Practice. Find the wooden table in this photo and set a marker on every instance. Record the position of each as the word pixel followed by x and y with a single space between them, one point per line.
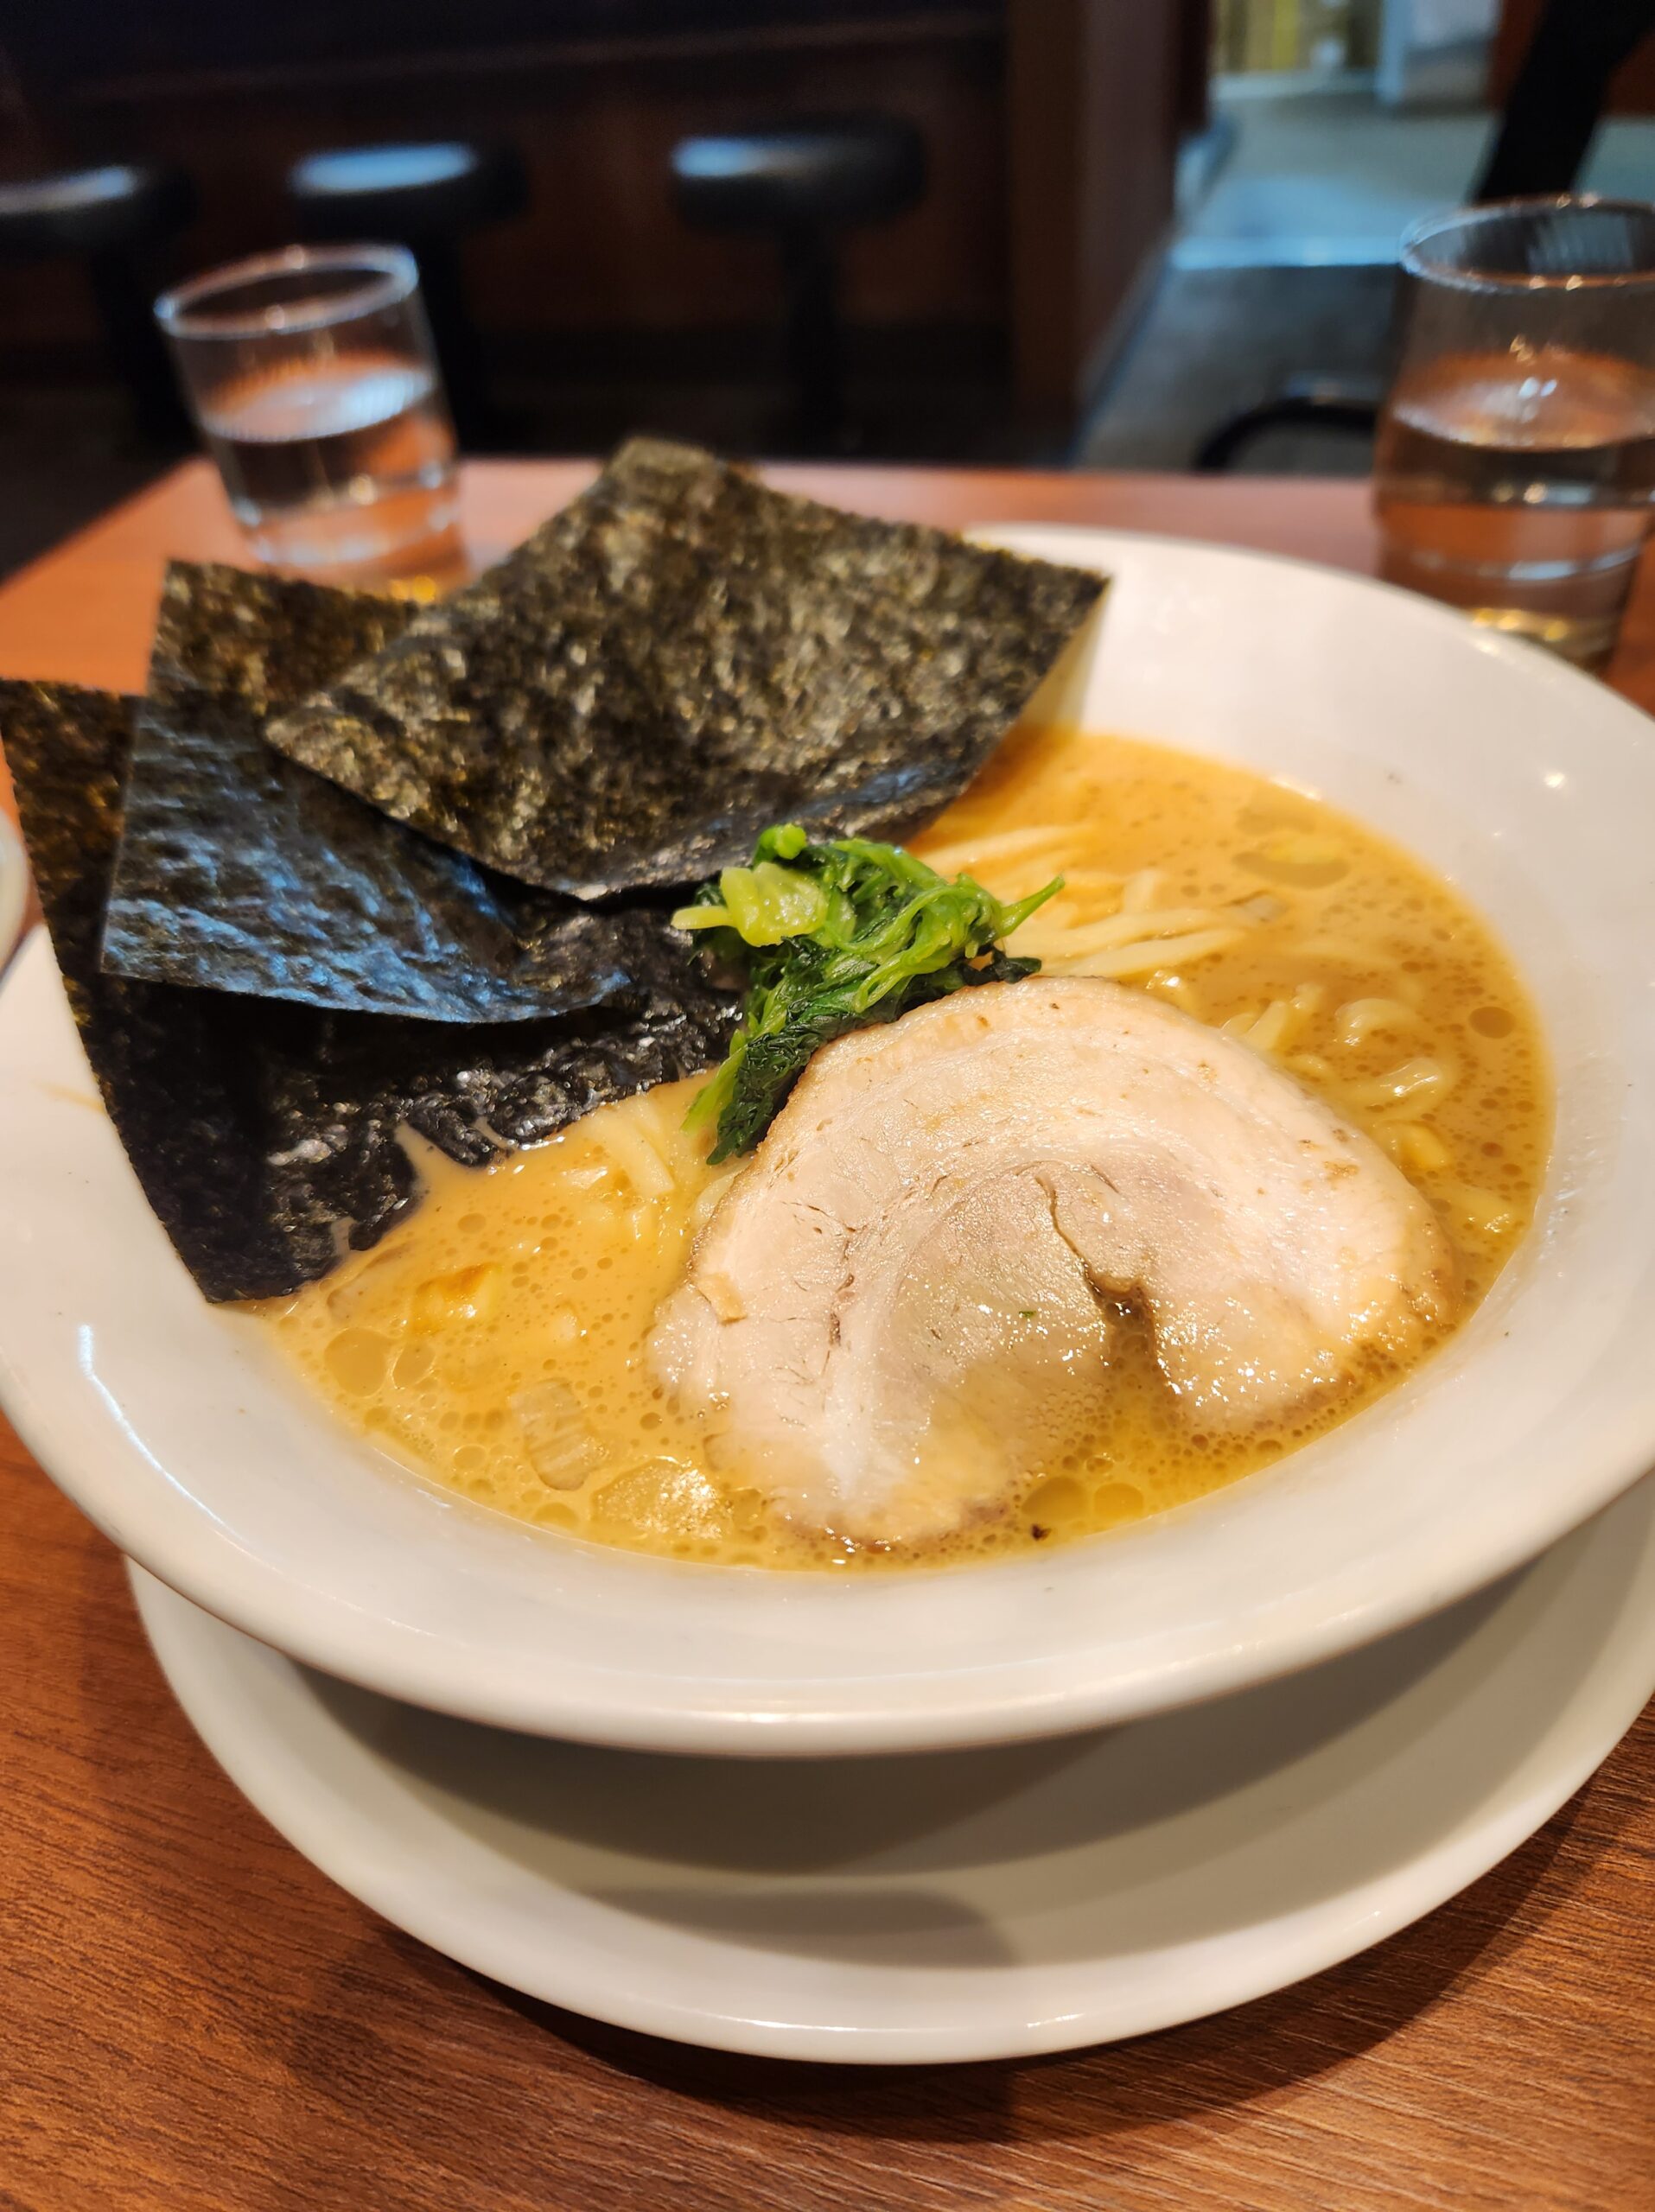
pixel 192 2018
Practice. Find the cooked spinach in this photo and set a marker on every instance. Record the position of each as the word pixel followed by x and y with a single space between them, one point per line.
pixel 832 937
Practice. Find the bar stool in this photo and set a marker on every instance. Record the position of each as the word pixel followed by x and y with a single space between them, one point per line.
pixel 805 182
pixel 110 219
pixel 426 198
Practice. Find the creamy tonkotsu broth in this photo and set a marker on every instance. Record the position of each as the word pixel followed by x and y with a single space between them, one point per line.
pixel 497 1340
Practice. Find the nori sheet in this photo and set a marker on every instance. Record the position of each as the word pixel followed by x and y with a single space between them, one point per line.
pixel 240 871
pixel 679 658
pixel 266 1135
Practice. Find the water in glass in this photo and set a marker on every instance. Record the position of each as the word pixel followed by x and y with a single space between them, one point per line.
pixel 1517 483
pixel 335 463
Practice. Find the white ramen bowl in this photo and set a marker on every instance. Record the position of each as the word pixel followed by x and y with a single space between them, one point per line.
pixel 178 1429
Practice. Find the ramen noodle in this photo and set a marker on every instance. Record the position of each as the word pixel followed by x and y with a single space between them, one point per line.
pixel 496 1340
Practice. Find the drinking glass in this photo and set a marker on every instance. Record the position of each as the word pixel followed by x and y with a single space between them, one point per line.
pixel 311 376
pixel 1515 466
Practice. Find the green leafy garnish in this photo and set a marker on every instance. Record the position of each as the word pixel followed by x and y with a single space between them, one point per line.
pixel 834 936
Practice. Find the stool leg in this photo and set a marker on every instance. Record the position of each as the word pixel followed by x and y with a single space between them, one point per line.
pixel 455 336
pixel 136 348
pixel 815 354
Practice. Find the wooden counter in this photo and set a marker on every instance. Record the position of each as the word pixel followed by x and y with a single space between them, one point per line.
pixel 193 2020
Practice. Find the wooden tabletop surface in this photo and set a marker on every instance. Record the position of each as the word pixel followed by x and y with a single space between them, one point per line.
pixel 192 2018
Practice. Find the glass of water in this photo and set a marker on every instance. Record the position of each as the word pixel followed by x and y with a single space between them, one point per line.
pixel 1515 467
pixel 311 375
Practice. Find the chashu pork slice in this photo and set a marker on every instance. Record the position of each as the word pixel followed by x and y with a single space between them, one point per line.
pixel 911 1287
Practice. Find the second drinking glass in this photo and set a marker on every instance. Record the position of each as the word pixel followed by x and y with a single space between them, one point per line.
pixel 311 375
pixel 1515 466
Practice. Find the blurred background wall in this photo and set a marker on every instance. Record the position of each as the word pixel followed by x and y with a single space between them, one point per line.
pixel 1137 215
pixel 1051 129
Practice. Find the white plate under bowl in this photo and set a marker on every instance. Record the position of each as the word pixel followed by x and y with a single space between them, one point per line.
pixel 13 882
pixel 956 1904
pixel 1531 787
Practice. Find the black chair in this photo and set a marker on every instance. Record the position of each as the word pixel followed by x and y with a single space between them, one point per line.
pixel 803 183
pixel 426 198
pixel 1317 402
pixel 1558 94
pixel 111 220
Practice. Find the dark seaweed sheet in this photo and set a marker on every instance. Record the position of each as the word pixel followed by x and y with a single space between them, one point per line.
pixel 240 871
pixel 266 1135
pixel 679 658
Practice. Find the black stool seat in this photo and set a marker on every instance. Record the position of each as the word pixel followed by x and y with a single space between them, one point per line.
pixel 92 211
pixel 803 181
pixel 405 192
pixel 426 197
pixel 111 219
pixel 854 170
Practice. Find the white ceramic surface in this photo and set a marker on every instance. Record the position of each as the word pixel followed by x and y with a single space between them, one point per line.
pixel 958 1905
pixel 13 883
pixel 1529 786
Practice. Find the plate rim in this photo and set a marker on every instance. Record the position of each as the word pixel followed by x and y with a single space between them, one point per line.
pixel 1390 1901
pixel 14 891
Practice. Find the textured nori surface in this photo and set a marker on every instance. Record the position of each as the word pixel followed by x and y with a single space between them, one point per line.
pixel 266 1135
pixel 240 871
pixel 679 658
